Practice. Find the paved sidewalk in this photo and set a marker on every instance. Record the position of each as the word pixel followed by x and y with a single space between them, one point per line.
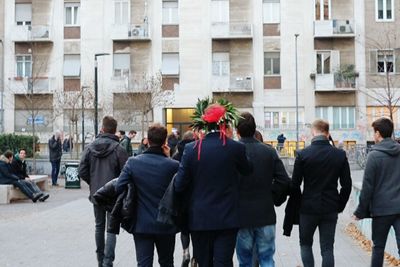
pixel 60 233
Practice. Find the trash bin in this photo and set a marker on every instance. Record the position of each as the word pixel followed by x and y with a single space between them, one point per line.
pixel 72 179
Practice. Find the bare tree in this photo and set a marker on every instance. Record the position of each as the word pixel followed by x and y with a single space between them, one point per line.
pixel 141 96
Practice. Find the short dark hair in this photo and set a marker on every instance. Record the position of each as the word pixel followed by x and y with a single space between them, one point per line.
pixel 321 126
pixel 122 132
pixel 384 126
pixel 246 125
pixel 132 132
pixel 8 154
pixel 258 136
pixel 19 150
pixel 157 134
pixel 109 125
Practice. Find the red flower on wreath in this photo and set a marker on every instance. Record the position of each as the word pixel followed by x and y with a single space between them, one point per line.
pixel 213 113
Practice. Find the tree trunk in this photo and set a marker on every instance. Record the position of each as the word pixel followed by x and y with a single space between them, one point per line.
pixel 33 142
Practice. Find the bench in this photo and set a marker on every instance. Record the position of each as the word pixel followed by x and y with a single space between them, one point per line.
pixel 9 192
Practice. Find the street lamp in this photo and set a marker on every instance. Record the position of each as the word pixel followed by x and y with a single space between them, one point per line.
pixel 83 116
pixel 297 95
pixel 96 125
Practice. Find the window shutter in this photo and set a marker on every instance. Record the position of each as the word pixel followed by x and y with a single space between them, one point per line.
pixel 335 60
pixel 72 65
pixel 23 12
pixel 373 61
pixel 122 61
pixel 170 64
pixel 397 59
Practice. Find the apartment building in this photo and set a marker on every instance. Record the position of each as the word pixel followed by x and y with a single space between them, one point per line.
pixel 1 65
pixel 240 50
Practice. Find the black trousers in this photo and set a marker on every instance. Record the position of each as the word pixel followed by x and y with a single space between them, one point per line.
pixel 214 248
pixel 144 245
pixel 380 230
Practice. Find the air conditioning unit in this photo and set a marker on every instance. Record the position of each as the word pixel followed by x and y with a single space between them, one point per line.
pixel 136 31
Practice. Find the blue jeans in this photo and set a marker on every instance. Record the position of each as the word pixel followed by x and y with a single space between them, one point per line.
pixel 105 249
pixel 55 169
pixel 263 239
pixel 380 230
pixel 327 226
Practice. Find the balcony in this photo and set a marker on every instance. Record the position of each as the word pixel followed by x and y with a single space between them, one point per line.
pixel 334 29
pixel 333 82
pixel 232 84
pixel 226 30
pixel 36 33
pixel 25 85
pixel 130 32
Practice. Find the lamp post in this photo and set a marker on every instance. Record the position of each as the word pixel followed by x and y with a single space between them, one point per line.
pixel 96 112
pixel 83 116
pixel 297 95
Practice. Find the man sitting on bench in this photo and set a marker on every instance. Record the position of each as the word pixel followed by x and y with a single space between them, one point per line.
pixel 18 167
pixel 6 177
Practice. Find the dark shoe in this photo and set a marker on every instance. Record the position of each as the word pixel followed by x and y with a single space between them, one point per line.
pixel 36 196
pixel 55 185
pixel 44 197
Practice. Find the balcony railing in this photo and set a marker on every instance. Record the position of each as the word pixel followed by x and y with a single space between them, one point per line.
pixel 334 82
pixel 127 32
pixel 236 30
pixel 232 84
pixel 35 33
pixel 25 85
pixel 334 28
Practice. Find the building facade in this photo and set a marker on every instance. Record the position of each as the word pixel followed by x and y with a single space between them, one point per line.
pixel 244 51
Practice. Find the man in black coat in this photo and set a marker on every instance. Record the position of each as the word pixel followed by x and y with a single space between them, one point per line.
pixel 151 173
pixel 55 151
pixel 210 170
pixel 380 193
pixel 7 177
pixel 101 162
pixel 321 166
pixel 18 167
pixel 257 213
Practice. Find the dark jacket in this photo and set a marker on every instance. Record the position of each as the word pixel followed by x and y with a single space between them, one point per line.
pixel 321 166
pixel 256 194
pixel 6 176
pixel 122 207
pixel 151 173
pixel 380 193
pixel 102 161
pixel 292 212
pixel 18 167
pixel 213 182
pixel 55 149
pixel 126 144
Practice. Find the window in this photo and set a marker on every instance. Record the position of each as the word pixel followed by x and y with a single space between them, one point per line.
pixel 170 12
pixel 322 9
pixel 72 65
pixel 271 11
pixel 385 61
pixel 121 12
pixel 221 64
pixel 272 63
pixel 323 62
pixel 376 112
pixel 384 10
pixel 285 119
pixel 121 65
pixel 338 117
pixel 23 14
pixel 24 66
pixel 220 11
pixel 72 14
pixel 170 64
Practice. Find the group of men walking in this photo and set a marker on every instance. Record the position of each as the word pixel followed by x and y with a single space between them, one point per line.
pixel 223 192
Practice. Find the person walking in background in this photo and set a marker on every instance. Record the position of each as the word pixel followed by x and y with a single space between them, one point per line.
pixel 173 140
pixel 257 213
pixel 380 192
pixel 151 173
pixel 144 145
pixel 209 173
pixel 68 144
pixel 7 177
pixel 281 141
pixel 187 138
pixel 55 150
pixel 320 166
pixel 101 162
pixel 18 167
pixel 125 142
